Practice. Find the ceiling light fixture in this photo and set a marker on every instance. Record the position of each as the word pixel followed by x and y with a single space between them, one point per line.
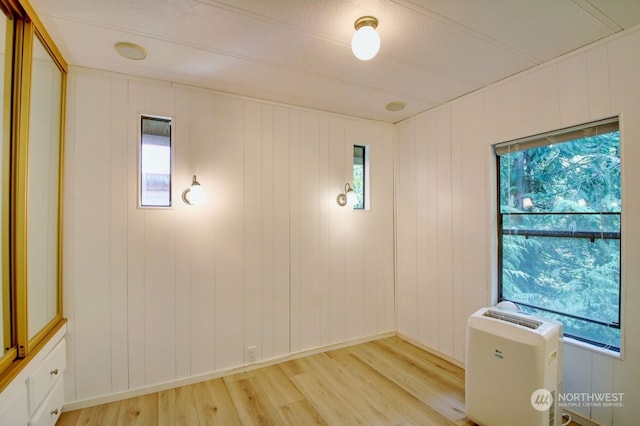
pixel 130 50
pixel 395 106
pixel 366 41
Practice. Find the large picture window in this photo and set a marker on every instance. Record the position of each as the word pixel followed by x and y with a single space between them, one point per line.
pixel 560 229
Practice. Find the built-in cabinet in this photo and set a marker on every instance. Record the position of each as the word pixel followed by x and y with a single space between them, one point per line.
pixel 36 395
pixel 32 85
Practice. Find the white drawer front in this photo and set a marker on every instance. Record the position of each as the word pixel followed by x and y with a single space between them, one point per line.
pixel 47 375
pixel 14 409
pixel 49 411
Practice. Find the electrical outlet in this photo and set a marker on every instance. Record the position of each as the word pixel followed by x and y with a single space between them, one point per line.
pixel 251 354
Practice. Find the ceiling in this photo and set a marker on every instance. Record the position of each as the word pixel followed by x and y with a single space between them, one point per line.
pixel 298 51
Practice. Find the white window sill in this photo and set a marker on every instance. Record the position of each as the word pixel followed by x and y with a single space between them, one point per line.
pixel 592 348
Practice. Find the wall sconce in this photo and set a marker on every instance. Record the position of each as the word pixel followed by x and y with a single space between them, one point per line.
pixel 348 197
pixel 194 195
pixel 366 41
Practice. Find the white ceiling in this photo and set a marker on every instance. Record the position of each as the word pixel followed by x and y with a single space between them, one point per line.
pixel 298 51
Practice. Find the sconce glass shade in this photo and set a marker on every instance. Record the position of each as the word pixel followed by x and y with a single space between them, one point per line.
pixel 365 43
pixel 194 195
pixel 348 197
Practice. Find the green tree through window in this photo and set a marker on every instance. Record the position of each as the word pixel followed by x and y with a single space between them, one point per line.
pixel 559 229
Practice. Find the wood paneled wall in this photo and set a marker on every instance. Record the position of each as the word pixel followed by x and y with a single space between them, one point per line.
pixel 155 296
pixel 445 201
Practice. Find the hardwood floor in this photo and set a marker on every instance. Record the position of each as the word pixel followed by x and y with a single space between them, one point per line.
pixel 385 382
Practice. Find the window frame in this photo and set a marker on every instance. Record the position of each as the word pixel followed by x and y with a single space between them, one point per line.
pixel 366 192
pixel 566 134
pixel 170 120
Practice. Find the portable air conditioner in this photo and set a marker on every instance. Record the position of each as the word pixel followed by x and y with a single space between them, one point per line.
pixel 513 369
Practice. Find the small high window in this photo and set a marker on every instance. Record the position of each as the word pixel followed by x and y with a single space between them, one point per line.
pixel 155 162
pixel 361 176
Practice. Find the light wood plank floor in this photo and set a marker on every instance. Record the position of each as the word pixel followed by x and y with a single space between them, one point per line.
pixel 385 382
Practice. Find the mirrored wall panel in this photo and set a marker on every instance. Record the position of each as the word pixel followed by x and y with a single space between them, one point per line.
pixel 6 47
pixel 43 189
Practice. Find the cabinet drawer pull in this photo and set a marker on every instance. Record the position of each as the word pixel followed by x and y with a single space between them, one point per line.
pixel 54 412
pixel 54 372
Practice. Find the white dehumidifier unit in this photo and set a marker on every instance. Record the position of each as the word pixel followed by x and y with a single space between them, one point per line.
pixel 513 369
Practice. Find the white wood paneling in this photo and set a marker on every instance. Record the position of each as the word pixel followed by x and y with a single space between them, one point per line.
pixel 406 257
pixel 424 305
pixel 183 168
pixel 135 240
pixel 159 296
pixel 163 295
pixel 471 206
pixel 337 229
pixel 159 264
pixel 68 236
pixel 202 344
pixel 280 305
pixel 278 264
pixel 268 240
pixel 324 206
pixel 540 100
pixel 444 230
pixel 357 282
pixel 505 101
pixel 91 266
pixel 602 382
pixel 305 321
pixel 229 233
pixel 295 227
pixel 253 226
pixel 429 305
pixel 573 92
pixel 381 271
pixel 624 63
pixel 118 235
pixel 596 82
pixel 576 366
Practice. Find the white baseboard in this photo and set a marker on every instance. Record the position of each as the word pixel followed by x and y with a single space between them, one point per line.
pixel 131 393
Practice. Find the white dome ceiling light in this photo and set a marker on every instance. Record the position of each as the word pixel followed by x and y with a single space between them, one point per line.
pixel 365 43
pixel 130 50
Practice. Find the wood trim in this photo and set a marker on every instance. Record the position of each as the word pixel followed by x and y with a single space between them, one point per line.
pixel 19 364
pixel 44 35
pixel 20 159
pixel 11 8
pixel 41 335
pixel 63 120
pixel 24 27
pixel 5 183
